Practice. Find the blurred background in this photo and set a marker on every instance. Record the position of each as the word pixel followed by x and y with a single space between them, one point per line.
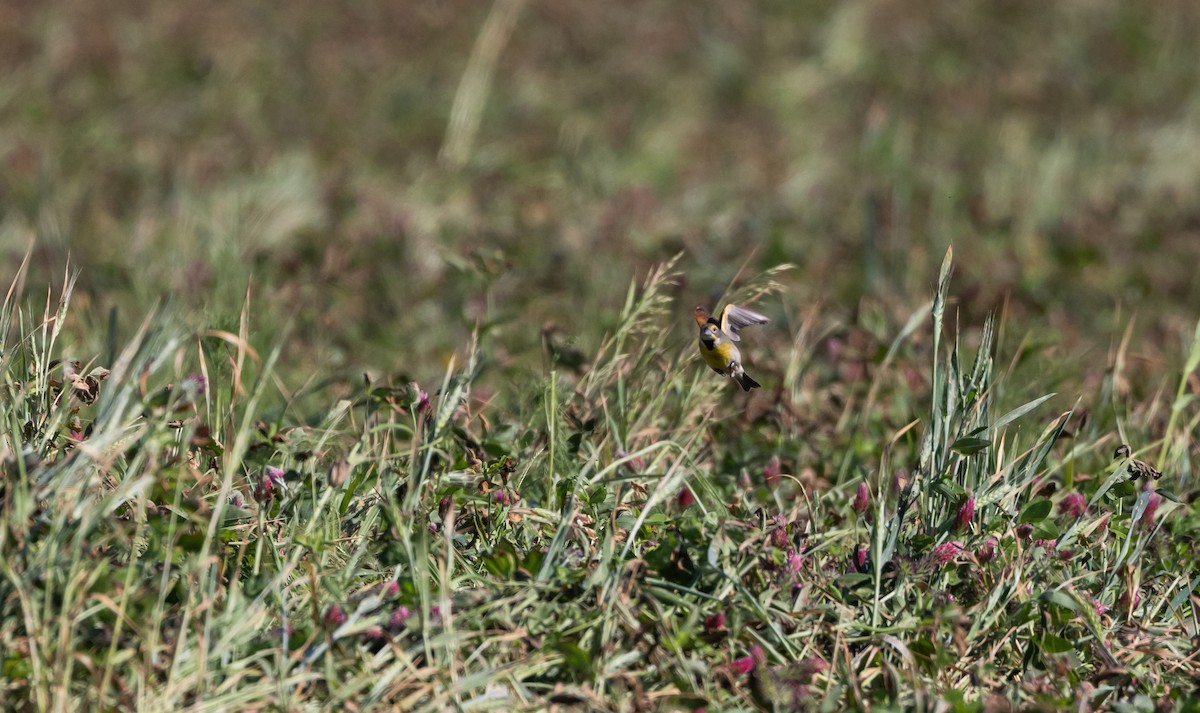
pixel 386 175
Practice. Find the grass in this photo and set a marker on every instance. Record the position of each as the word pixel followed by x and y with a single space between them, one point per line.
pixel 173 542
pixel 431 267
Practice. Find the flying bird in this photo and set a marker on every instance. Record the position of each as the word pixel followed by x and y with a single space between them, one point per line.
pixel 717 337
pixel 1134 467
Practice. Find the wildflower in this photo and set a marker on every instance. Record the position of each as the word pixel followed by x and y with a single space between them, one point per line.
pixel 433 528
pixel 334 616
pixel 833 348
pixel 272 480
pixel 1073 505
pixel 772 471
pixel 500 497
pixel 374 633
pixel 743 665
pixel 685 497
pixel 1024 531
pixel 966 511
pixel 746 664
pixel 760 657
pixel 778 536
pixel 714 622
pixel 1126 601
pixel 860 558
pixel 811 666
pixel 987 553
pixel 1046 544
pixel 899 480
pixel 420 396
pixel 1152 504
pixel 795 562
pixel 862 498
pixel 195 383
pixel 945 553
pixel 1099 606
pixel 398 617
pixel 637 465
pixel 391 590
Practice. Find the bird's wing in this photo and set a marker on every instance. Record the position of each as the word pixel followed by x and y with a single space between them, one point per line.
pixel 734 318
pixel 1137 469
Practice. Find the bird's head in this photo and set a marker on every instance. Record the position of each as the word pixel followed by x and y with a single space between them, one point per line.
pixel 709 334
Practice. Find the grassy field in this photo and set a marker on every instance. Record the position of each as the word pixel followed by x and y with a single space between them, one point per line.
pixel 349 363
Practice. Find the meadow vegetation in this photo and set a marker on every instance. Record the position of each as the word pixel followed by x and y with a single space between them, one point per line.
pixel 348 358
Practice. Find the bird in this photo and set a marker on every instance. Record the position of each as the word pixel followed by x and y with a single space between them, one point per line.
pixel 1128 469
pixel 717 337
pixel 1134 467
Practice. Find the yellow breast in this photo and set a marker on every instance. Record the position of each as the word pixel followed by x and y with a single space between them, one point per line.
pixel 720 355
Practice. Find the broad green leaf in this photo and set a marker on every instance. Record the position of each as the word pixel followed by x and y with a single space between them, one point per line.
pixel 1059 598
pixel 1052 644
pixel 853 579
pixel 1036 511
pixel 970 446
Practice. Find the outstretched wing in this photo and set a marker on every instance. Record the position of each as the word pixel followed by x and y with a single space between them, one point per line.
pixel 734 318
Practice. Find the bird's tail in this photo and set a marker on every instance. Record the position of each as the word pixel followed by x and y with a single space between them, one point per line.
pixel 746 382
